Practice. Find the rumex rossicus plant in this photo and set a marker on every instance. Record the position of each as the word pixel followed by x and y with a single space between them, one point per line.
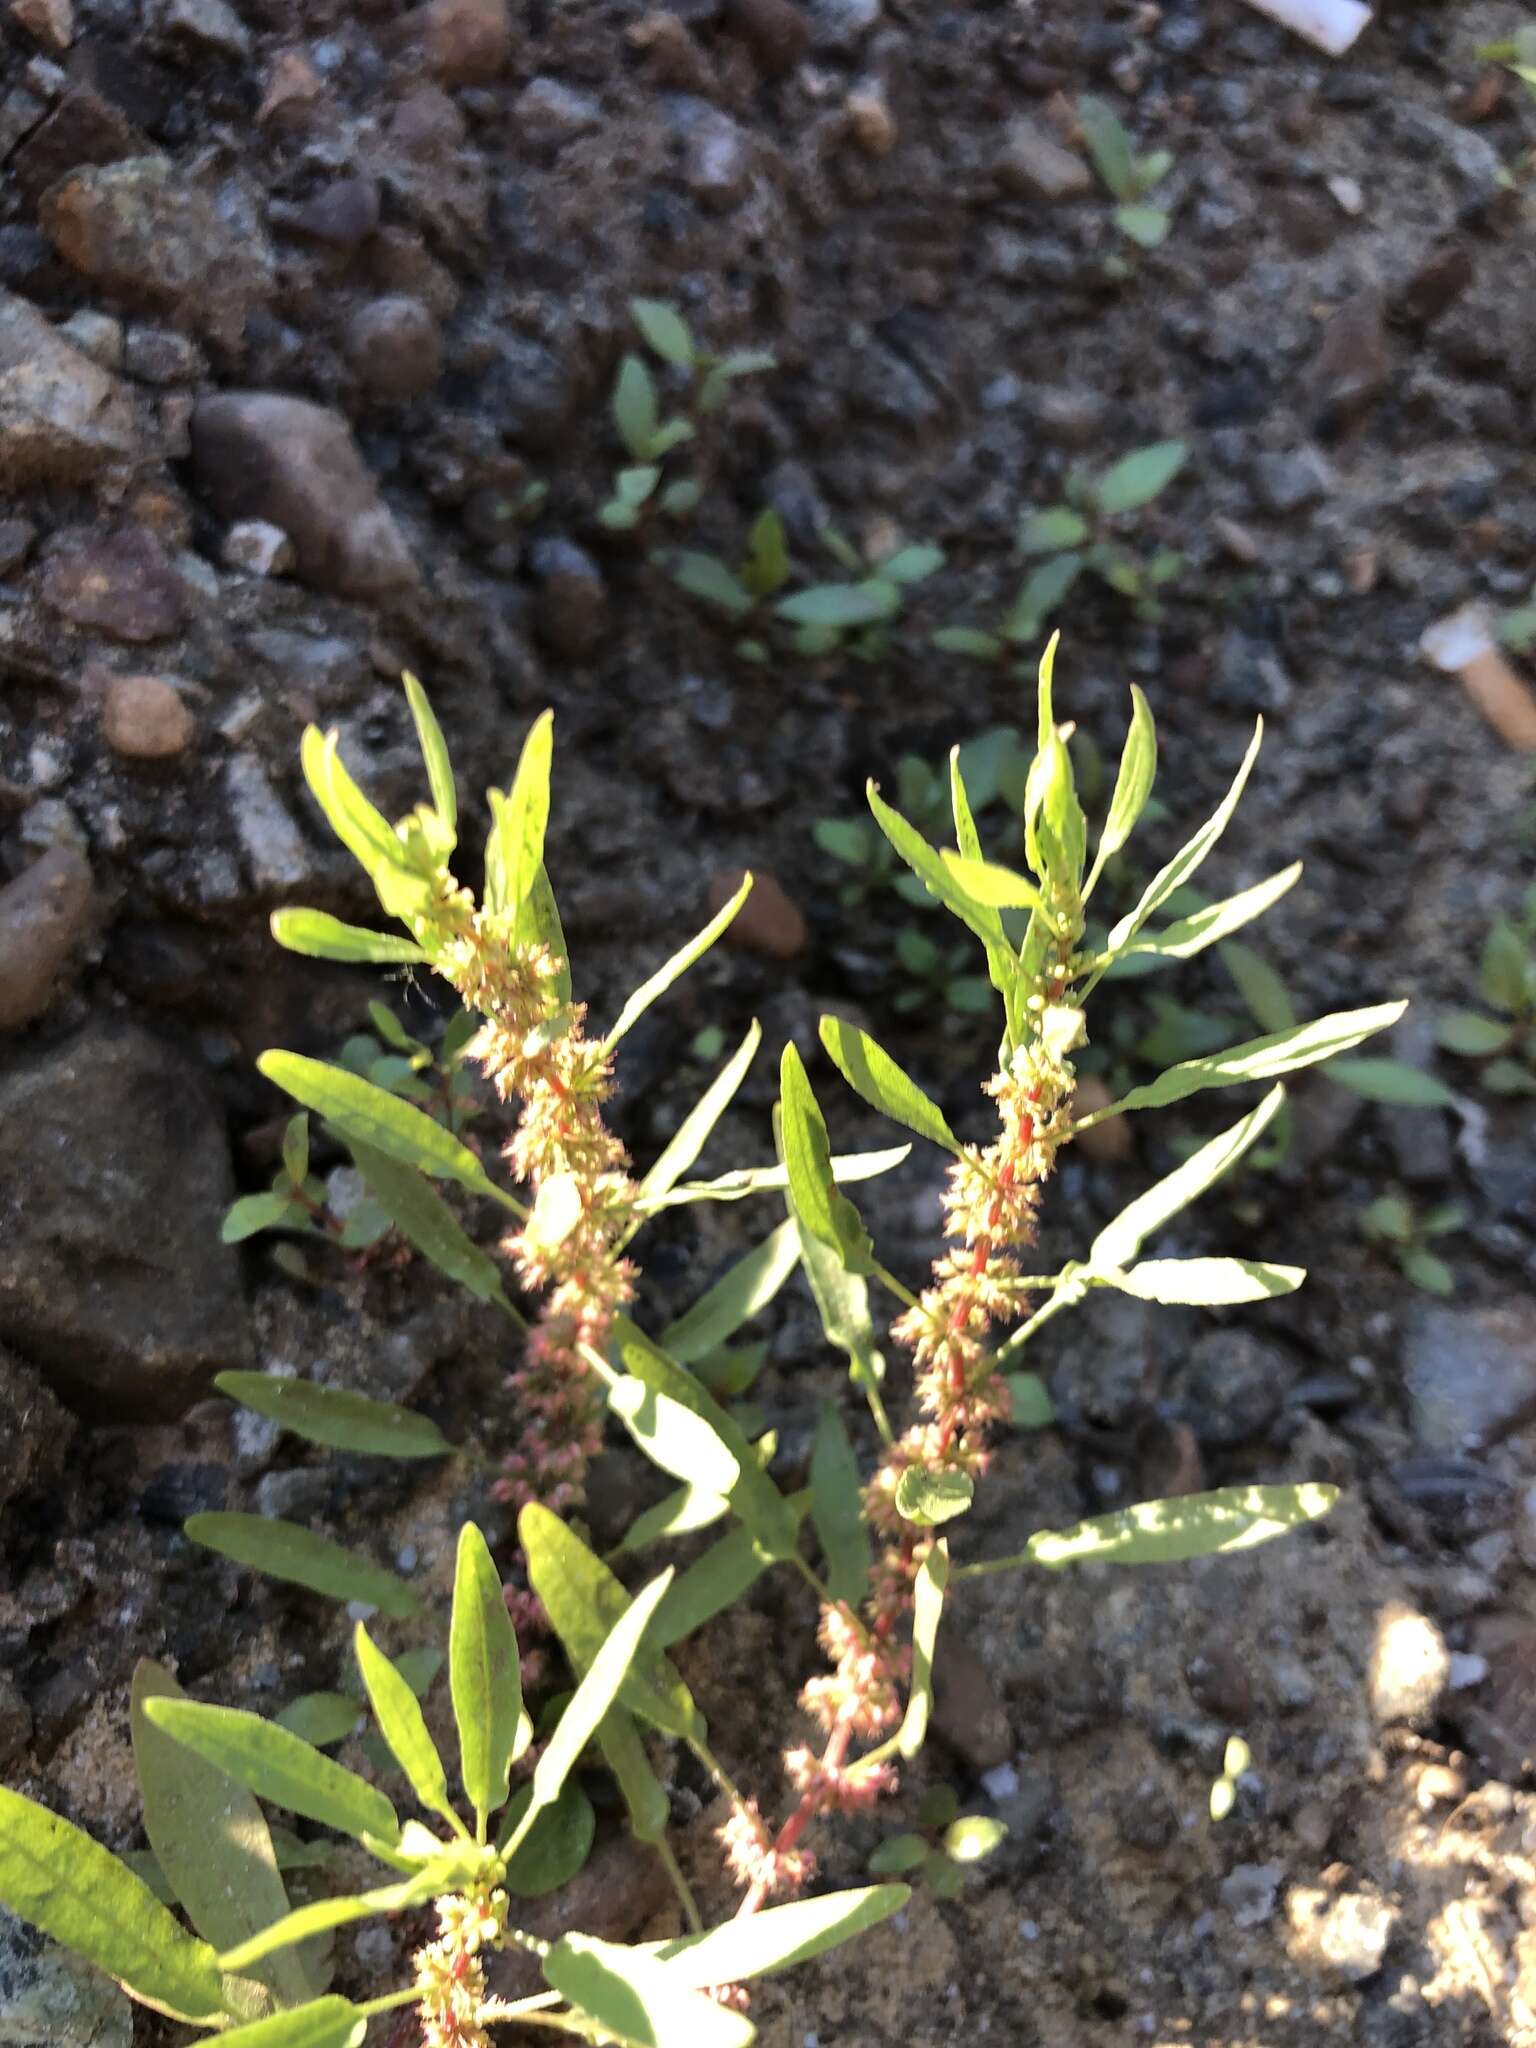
pixel 1506 981
pixel 648 437
pixel 883 1566
pixel 253 1971
pixel 1130 178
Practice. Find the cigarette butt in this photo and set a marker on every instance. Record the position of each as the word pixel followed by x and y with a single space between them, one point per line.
pixel 1462 645
pixel 1330 25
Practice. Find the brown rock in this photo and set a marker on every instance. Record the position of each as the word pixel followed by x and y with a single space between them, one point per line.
pixel 145 718
pixel 52 22
pixel 16 538
pixel 967 1712
pixel 1353 366
pixel 121 584
pixel 36 1431
pixel 872 123
pixel 395 349
pixel 1036 166
pixel 84 128
pixel 768 922
pixel 292 86
pixel 62 417
pixel 467 42
pixel 1111 1141
pixel 1308 222
pixel 141 228
pixel 778 31
pixel 1436 285
pixel 261 455
pixel 43 916
pixel 342 214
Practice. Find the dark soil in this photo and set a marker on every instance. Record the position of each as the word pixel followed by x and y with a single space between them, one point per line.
pixel 430 226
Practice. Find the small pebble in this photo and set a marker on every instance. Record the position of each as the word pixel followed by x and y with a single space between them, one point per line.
pixel 258 547
pixel 768 922
pixel 872 123
pixel 145 719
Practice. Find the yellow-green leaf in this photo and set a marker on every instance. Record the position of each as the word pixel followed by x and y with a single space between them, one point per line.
pixel 402 1725
pixel 484 1676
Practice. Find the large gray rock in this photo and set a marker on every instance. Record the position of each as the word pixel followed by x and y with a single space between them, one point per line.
pixel 43 916
pixel 146 232
pixel 52 1999
pixel 1469 1372
pixel 261 455
pixel 114 1176
pixel 62 417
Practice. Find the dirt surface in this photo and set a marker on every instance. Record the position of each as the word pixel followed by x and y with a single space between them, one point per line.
pixel 295 305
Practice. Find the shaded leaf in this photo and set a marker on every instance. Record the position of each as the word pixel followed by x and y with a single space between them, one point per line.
pixel 740 1294
pixel 665 331
pixel 329 2022
pixel 841 604
pixel 837 1509
pixel 320 1718
pixel 286 1551
pixel 1030 1399
pixel 1108 144
pixel 324 1914
pixel 634 408
pixel 1140 477
pixel 251 1213
pixel 484 1676
pixel 1391 1081
pixel 678 965
pixel 1472 1035
pixel 692 1134
pixel 326 1415
pixel 1260 987
pixel 556 1846
pixel 1045 533
pixel 402 1725
pixel 927 1605
pixel 898 1853
pixel 870 1072
pixel 707 577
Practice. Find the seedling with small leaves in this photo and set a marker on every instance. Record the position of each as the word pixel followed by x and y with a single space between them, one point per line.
pixel 649 435
pixel 1506 980
pixel 938 978
pixel 944 1846
pixel 1393 1222
pixel 1235 1761
pixel 742 593
pixel 856 615
pixel 1131 178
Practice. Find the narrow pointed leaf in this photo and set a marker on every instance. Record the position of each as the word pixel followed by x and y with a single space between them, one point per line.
pixel 58 1879
pixel 645 1797
pixel 1195 1525
pixel 1133 785
pixel 1207 1283
pixel 324 1914
pixel 927 1605
pixel 320 936
pixel 1136 479
pixel 329 2022
pixel 634 408
pixel 1392 1081
pixel 842 1302
pixel 1119 1242
pixel 1216 921
pixel 779 1937
pixel 328 1415
pixel 734 1299
pixel 759 1180
pixel 826 1213
pixel 277 1765
pixel 556 1846
pixel 593 1697
pixel 426 1222
pixel 665 331
pixel 752 1494
pixel 402 1724
pixel 837 1509
pixel 989 884
pixel 585 1603
pixel 251 1213
pixel 1471 1035
pixel 1189 856
pixel 692 1134
pixel 484 1675
pixel 677 966
pixel 632 1997
pixel 710 1585
pixel 434 752
pixel 373 1116
pixel 1108 144
pixel 674 1438
pixel 522 819
pixel 362 829
pixel 538 924
pixel 285 1551
pixel 870 1072
pixel 1268 999
pixel 841 605
pixel 706 577
pixel 929 867
pixel 1261 1059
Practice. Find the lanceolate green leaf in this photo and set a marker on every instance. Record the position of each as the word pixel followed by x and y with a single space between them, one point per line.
pixel 587 1706
pixel 425 1220
pixel 633 1999
pixel 1136 479
pixel 434 753
pixel 1207 1283
pixel 1393 1081
pixel 325 1914
pixel 323 937
pixel 361 1111
pixel 585 1602
pixel 328 1415
pixel 285 1551
pixel 842 1302
pixel 677 966
pixel 1133 785
pixel 54 1876
pixel 538 924
pixel 692 1134
pixel 760 1180
pixel 665 331
pixel 930 869
pixel 715 1581
pixel 1268 1000
pixel 644 1795
pixel 403 1725
pixel 1217 921
pixel 1261 1059
pixel 329 2022
pixel 521 820
pixel 674 1437
pixel 837 1509
pixel 752 1494
pixel 743 1292
pixel 362 829
pixel 484 1676
pixel 778 1938
pixel 927 1605
pixel 277 1765
pixel 1119 1242
pixel 826 1213
pixel 1195 1525
pixel 1189 856
pixel 987 883
pixel 870 1071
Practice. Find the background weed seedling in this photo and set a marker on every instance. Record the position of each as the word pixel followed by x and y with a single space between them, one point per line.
pixel 1506 981
pixel 944 1845
pixel 1131 178
pixel 1393 1221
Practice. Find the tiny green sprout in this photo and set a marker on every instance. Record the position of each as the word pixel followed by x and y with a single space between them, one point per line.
pixel 1517 628
pixel 1517 54
pixel 1130 178
pixel 942 1846
pixel 856 615
pixel 938 976
pixel 1236 1759
pixel 1506 981
pixel 741 593
pixel 1392 1221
